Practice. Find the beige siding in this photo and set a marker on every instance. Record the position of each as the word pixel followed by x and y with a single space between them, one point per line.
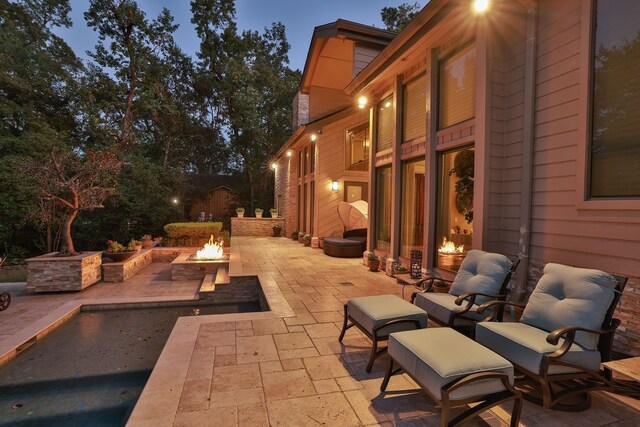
pixel 323 101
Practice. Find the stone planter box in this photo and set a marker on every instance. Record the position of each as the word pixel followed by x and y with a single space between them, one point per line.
pixel 121 271
pixel 254 226
pixel 48 273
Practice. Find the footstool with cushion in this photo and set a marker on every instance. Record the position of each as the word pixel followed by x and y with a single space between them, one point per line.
pixel 342 248
pixel 453 370
pixel 379 315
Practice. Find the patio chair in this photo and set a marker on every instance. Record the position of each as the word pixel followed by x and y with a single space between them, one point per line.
pixel 565 332
pixel 483 276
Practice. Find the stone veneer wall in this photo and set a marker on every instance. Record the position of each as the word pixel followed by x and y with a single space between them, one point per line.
pixel 255 226
pixel 627 337
pixel 241 289
pixel 117 272
pixel 48 273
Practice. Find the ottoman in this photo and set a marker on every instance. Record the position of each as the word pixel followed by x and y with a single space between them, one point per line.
pixel 454 370
pixel 342 248
pixel 378 316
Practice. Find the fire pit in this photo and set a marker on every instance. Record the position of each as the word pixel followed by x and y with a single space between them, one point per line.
pixel 206 260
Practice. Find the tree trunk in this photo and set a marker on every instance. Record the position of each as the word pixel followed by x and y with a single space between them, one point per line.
pixel 68 249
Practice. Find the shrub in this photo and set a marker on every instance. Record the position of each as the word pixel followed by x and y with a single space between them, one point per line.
pixel 194 233
pixel 373 257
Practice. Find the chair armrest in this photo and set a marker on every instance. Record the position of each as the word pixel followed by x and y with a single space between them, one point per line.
pixel 570 332
pixel 471 296
pixel 430 281
pixel 490 304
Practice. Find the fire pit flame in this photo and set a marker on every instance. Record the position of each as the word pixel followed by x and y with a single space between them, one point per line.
pixel 448 247
pixel 211 250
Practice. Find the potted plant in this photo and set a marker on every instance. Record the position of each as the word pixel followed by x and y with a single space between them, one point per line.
pixel 118 252
pixel 240 212
pixel 294 235
pixel 301 236
pixel 306 240
pixel 136 244
pixel 258 212
pixel 373 262
pixel 147 241
pixel 273 212
pixel 276 230
pixel 400 269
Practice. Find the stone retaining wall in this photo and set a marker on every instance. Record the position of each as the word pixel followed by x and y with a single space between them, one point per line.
pixel 241 289
pixel 48 273
pixel 117 272
pixel 255 226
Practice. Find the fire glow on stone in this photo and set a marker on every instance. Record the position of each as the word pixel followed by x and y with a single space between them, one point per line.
pixel 448 247
pixel 211 250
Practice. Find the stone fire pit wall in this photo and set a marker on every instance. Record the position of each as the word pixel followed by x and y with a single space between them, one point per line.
pixel 255 226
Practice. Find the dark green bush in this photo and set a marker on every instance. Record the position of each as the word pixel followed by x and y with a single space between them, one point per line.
pixel 194 233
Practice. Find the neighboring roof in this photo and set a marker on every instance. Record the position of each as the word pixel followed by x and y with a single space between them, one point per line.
pixel 344 29
pixel 211 181
pixel 418 26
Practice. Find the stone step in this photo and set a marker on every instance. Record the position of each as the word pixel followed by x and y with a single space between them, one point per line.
pixel 222 276
pixel 208 284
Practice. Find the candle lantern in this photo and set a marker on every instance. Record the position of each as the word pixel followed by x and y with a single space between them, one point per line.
pixel 416 264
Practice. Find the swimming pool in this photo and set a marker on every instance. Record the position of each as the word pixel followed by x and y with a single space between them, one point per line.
pixel 92 369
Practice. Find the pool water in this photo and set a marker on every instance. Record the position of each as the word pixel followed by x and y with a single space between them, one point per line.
pixel 91 370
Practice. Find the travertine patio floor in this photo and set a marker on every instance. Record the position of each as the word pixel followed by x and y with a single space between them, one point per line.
pixel 285 368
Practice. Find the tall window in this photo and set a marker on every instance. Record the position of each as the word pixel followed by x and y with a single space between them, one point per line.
pixel 384 134
pixel 457 97
pixel 358 148
pixel 312 155
pixel 383 208
pixel 414 113
pixel 412 214
pixel 615 133
pixel 454 227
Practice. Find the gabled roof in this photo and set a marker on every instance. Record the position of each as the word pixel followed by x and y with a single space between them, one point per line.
pixel 344 29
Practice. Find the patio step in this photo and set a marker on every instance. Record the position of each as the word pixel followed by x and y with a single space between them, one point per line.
pixel 208 284
pixel 222 276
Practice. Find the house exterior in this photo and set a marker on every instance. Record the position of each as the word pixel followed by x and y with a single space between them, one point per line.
pixel 331 141
pixel 515 130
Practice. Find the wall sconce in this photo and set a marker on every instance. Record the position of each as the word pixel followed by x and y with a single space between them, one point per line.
pixel 481 6
pixel 274 166
pixel 362 102
pixel 314 137
pixel 289 153
pixel 335 185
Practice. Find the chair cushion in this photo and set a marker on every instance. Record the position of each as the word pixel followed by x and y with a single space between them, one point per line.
pixel 339 241
pixel 436 357
pixel 569 296
pixel 482 272
pixel 442 307
pixel 369 312
pixel 525 345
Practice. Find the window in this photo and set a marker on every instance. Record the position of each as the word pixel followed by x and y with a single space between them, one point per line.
pixel 312 206
pixel 457 97
pixel 412 215
pixel 384 134
pixel 414 113
pixel 454 227
pixel 300 164
pixel 312 154
pixel 615 148
pixel 358 148
pixel 354 191
pixel 383 208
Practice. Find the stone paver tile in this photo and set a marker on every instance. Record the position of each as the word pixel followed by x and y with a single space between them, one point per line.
pixel 236 377
pixel 225 360
pixel 301 319
pixel 325 409
pixel 348 383
pixel 361 404
pixel 218 326
pixel 326 386
pixel 268 327
pixel 331 345
pixel 256 349
pixel 296 304
pixel 323 330
pixel 208 338
pixel 292 364
pixel 266 367
pixel 225 350
pixel 253 415
pixel 244 332
pixel 243 324
pixel 324 367
pixel 195 395
pixel 201 364
pixel 220 399
pixel 302 352
pixel 287 385
pixel 329 316
pixel 292 341
pixel 223 416
pixel 295 328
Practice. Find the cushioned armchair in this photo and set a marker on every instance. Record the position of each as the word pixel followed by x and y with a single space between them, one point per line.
pixel 565 332
pixel 483 276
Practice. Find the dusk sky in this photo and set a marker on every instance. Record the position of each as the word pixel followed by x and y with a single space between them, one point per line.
pixel 298 16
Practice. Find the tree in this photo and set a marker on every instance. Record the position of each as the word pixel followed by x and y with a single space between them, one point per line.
pixel 74 182
pixel 396 18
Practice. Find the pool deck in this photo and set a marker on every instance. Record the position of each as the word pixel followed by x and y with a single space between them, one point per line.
pixel 278 368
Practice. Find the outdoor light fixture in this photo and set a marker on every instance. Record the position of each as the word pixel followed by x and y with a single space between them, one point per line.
pixel 335 185
pixel 314 136
pixel 481 6
pixel 362 102
pixel 289 153
pixel 175 201
pixel 274 166
pixel 387 104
